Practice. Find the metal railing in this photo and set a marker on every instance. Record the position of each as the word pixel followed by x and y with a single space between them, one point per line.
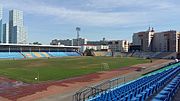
pixel 87 92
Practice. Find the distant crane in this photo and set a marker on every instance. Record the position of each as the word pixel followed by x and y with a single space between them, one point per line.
pixel 78 29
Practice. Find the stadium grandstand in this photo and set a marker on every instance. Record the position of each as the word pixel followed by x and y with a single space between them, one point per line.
pixel 160 85
pixel 23 51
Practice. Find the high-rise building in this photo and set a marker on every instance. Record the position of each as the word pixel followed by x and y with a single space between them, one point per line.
pixel 166 41
pixel 5 33
pixel 1 29
pixel 17 33
pixel 144 39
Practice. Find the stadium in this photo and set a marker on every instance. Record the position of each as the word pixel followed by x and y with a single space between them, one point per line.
pixel 22 51
pixel 115 68
pixel 31 72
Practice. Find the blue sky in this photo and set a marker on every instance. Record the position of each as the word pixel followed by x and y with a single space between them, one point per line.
pixel 113 19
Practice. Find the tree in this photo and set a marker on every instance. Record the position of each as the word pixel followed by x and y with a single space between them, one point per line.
pixel 36 43
pixel 89 52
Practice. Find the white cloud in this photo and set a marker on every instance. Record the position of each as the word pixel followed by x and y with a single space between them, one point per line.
pixel 93 18
pixel 151 4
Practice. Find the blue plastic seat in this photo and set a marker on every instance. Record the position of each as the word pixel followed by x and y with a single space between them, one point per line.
pixel 11 55
pixel 142 88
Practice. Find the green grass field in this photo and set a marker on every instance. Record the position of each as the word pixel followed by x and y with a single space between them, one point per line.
pixel 60 68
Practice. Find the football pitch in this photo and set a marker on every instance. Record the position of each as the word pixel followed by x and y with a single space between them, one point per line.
pixel 52 69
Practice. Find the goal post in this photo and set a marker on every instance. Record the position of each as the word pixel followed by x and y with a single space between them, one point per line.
pixel 104 66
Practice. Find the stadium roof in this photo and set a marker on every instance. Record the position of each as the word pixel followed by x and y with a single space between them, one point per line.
pixel 32 45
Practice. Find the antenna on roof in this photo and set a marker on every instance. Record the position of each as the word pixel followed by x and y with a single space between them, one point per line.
pixel 152 29
pixel 149 28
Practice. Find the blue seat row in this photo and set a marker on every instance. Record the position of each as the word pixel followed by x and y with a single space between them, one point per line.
pixel 21 55
pixel 168 92
pixel 72 53
pixel 156 86
pixel 63 54
pixel 140 89
pixel 11 55
pixel 58 54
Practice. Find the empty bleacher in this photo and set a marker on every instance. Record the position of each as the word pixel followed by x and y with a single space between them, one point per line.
pixel 23 51
pixel 159 55
pixel 35 54
pixel 165 55
pixel 102 53
pixel 63 54
pixel 58 54
pixel 48 54
pixel 72 53
pixel 157 86
pixel 38 54
pixel 22 55
pixel 11 55
pixel 45 54
pixel 29 54
pixel 169 90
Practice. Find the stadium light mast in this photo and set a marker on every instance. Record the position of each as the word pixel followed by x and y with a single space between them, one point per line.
pixel 78 29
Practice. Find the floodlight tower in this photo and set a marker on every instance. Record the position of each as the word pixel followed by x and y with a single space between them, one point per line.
pixel 78 29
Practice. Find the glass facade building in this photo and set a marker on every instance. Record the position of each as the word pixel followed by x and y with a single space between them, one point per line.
pixel 17 33
pixel 1 26
pixel 5 33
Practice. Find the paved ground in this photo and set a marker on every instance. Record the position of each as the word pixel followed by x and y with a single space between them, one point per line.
pixel 64 89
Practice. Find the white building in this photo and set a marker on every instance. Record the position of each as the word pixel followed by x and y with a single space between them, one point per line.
pixel 69 42
pixel 17 33
pixel 84 47
pixel 5 33
pixel 80 41
pixel 102 47
pixel 94 47
pixel 119 45
pixel 66 42
pixel 1 26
